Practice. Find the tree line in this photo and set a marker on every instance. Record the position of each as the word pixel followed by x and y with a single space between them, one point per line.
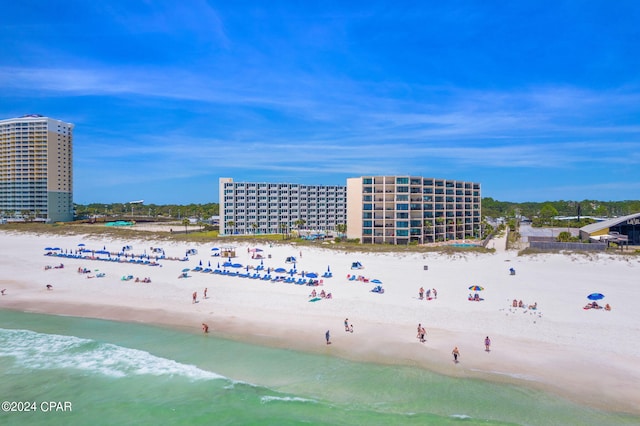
pixel 174 211
pixel 490 208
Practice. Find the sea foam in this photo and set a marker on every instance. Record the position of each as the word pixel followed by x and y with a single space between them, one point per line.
pixel 38 351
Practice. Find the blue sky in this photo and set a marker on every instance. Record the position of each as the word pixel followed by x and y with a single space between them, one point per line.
pixel 535 100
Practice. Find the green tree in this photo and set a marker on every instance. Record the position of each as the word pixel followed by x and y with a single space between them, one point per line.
pixel 231 224
pixel 341 228
pixel 547 212
pixel 185 222
pixel 564 237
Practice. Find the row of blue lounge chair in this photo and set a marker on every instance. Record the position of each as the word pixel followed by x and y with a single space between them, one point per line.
pixel 266 277
pixel 107 259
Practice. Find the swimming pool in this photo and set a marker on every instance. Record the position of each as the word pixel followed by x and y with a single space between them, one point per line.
pixel 119 223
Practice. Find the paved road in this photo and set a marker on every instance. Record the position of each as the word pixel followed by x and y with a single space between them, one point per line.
pixel 526 231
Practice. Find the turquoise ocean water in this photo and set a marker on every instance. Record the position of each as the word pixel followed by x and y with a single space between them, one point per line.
pixel 119 373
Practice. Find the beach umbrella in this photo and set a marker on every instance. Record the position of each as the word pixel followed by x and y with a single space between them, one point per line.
pixel 280 270
pixel 81 245
pixel 48 248
pixel 376 281
pixel 595 296
pixel 312 275
pixel 476 288
pixel 186 270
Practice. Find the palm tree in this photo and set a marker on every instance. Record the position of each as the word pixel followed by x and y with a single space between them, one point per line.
pixel 185 222
pixel 231 224
pixel 283 228
pixel 255 228
pixel 428 229
pixel 299 223
pixel 342 229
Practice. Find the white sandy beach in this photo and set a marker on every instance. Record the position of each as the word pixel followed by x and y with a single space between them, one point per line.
pixel 589 356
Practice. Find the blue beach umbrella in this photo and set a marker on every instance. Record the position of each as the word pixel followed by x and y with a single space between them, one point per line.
pixel 595 296
pixel 312 275
pixel 186 270
pixel 376 281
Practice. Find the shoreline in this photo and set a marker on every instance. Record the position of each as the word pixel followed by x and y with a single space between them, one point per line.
pixel 596 374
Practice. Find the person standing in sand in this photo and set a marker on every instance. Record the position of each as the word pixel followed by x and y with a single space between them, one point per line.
pixel 194 297
pixel 346 324
pixel 205 328
pixel 205 292
pixel 327 336
pixel 456 354
pixel 487 344
pixel 421 293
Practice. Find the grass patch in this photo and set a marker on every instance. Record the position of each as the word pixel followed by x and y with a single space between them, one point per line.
pixel 212 237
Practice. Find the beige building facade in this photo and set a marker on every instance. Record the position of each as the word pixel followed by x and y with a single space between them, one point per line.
pixel 36 168
pixel 412 209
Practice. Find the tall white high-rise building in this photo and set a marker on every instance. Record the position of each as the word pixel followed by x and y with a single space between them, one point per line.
pixel 272 208
pixel 36 168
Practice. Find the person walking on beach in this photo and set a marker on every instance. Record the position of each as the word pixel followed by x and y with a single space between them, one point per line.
pixel 435 293
pixel 205 328
pixel 456 354
pixel 346 324
pixel 423 332
pixel 205 292
pixel 487 344
pixel 194 297
pixel 421 293
pixel 328 337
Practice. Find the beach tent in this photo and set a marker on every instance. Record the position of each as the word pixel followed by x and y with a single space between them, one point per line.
pixel 357 265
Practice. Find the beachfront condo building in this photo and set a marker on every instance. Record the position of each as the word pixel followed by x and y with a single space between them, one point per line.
pixel 248 208
pixel 412 209
pixel 36 169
